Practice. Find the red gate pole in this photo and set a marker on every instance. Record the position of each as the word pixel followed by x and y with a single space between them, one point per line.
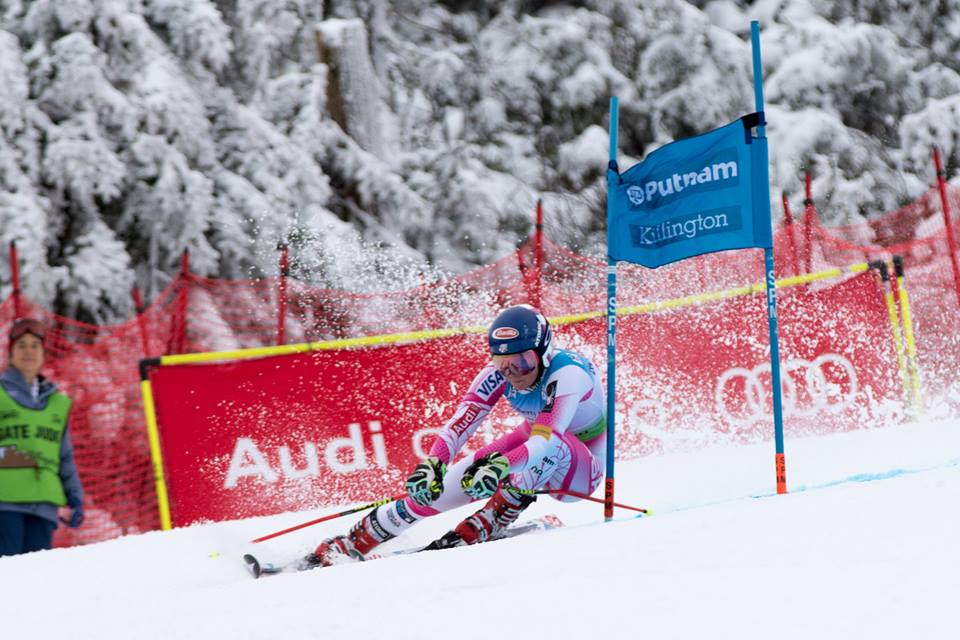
pixel 141 322
pixel 951 243
pixel 282 292
pixel 538 258
pixel 15 278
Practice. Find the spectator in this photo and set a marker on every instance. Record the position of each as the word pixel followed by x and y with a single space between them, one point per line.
pixel 37 471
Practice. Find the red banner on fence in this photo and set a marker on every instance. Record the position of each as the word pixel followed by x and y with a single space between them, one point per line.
pixel 281 433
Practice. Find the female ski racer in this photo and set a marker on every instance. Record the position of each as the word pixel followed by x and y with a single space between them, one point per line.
pixel 561 444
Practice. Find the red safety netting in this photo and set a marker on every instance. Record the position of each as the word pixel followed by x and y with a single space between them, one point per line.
pixel 917 233
pixel 98 365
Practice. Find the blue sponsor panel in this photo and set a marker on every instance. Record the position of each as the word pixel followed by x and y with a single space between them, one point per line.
pixel 682 179
pixel 690 197
pixel 687 226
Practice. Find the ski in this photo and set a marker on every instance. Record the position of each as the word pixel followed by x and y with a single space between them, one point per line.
pixel 256 567
pixel 543 523
pixel 259 568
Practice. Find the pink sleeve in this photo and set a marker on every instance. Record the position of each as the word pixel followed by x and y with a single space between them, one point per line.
pixel 484 391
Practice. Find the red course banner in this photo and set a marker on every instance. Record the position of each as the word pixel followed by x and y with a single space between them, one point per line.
pixel 283 433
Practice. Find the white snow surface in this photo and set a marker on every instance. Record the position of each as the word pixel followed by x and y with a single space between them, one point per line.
pixel 863 546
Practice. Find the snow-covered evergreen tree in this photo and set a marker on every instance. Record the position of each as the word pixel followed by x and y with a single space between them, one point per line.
pixel 391 139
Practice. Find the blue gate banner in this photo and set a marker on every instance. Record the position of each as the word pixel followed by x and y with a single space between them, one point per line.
pixel 694 196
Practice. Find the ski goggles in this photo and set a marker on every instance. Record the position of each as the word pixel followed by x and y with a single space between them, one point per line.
pixel 513 365
pixel 23 326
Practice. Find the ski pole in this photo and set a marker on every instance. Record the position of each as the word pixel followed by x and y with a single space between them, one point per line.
pixel 577 494
pixel 331 516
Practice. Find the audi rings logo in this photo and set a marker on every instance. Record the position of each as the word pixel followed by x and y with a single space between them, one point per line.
pixel 829 383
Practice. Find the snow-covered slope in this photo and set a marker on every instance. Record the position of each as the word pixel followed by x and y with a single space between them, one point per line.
pixel 864 546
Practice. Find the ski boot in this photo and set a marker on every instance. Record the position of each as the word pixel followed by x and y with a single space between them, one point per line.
pixel 489 523
pixel 353 547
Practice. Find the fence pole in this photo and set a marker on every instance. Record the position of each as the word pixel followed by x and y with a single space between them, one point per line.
pixel 889 286
pixel 141 322
pixel 808 213
pixel 15 279
pixel 182 300
pixel 914 367
pixel 951 243
pixel 537 297
pixel 788 224
pixel 282 292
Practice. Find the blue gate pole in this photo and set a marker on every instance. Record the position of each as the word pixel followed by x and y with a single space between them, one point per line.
pixel 611 330
pixel 762 208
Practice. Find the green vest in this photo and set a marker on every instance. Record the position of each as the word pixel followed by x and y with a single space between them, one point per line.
pixel 38 432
